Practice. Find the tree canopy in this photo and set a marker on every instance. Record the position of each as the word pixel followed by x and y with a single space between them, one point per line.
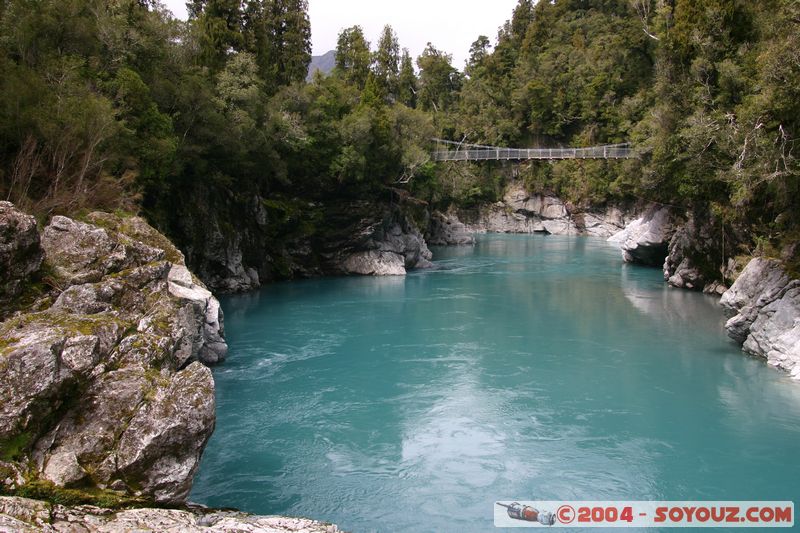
pixel 114 104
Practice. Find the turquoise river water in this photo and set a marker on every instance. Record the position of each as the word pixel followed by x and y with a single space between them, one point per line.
pixel 527 367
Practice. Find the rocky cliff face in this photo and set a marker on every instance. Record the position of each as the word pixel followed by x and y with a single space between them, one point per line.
pixel 20 253
pixel 523 212
pixel 445 229
pixel 764 306
pixel 389 244
pixel 646 240
pixel 238 247
pixel 103 380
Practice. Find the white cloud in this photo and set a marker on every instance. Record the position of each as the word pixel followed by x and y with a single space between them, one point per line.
pixel 178 8
pixel 451 25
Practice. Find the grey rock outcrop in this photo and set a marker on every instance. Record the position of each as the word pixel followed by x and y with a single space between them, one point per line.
pixel 445 229
pixel 83 253
pixel 694 258
pixel 20 253
pixel 601 223
pixel 23 515
pixel 236 243
pixel 523 212
pixel 646 240
pixel 105 387
pixel 375 263
pixel 764 306
pixel 386 246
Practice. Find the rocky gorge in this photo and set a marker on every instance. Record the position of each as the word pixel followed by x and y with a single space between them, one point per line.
pixel 763 302
pixel 390 238
pixel 107 336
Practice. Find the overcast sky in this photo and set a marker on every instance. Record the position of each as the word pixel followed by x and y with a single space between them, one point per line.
pixel 451 25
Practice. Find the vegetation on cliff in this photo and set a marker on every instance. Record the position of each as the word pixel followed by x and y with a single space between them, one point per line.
pixel 115 104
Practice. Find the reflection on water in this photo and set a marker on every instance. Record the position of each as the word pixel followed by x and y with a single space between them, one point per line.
pixel 527 367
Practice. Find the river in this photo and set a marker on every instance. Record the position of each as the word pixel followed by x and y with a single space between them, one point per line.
pixel 526 367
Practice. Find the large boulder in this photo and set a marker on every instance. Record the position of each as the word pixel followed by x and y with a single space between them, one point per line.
pixel 764 306
pixel 105 388
pixel 646 240
pixel 378 244
pixel 375 263
pixel 445 229
pixel 20 253
pixel 84 253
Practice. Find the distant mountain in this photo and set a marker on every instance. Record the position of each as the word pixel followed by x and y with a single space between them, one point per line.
pixel 323 63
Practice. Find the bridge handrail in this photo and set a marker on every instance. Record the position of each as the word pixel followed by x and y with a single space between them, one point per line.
pixel 496 153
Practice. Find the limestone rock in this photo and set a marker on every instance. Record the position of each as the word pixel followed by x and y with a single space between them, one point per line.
pixel 522 212
pixel 212 347
pixel 601 223
pixel 25 515
pixel 646 239
pixel 448 230
pixel 692 251
pixel 161 447
pixel 387 246
pixel 764 306
pixel 104 388
pixel 499 218
pixel 375 263
pixel 84 253
pixel 20 252
pixel 34 379
pixel 761 282
pixel 407 241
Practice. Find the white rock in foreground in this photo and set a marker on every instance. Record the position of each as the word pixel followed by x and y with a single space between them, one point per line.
pixel 646 239
pixel 375 263
pixel 764 306
pixel 24 515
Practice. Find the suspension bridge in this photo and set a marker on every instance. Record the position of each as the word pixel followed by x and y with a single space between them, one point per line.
pixel 460 151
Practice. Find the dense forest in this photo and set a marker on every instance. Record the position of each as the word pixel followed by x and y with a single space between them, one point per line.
pixel 114 104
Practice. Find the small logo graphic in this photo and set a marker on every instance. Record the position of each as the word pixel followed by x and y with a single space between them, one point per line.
pixel 526 513
pixel 643 514
pixel 566 514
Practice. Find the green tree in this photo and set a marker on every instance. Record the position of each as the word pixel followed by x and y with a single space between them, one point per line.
pixel 278 33
pixel 407 81
pixel 386 63
pixel 478 52
pixel 218 26
pixel 439 82
pixel 353 57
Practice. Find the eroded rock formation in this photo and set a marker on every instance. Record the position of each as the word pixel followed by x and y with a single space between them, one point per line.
pixel 764 306
pixel 103 383
pixel 523 212
pixel 646 240
pixel 20 253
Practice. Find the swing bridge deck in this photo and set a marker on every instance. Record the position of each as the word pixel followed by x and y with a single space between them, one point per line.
pixel 476 152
